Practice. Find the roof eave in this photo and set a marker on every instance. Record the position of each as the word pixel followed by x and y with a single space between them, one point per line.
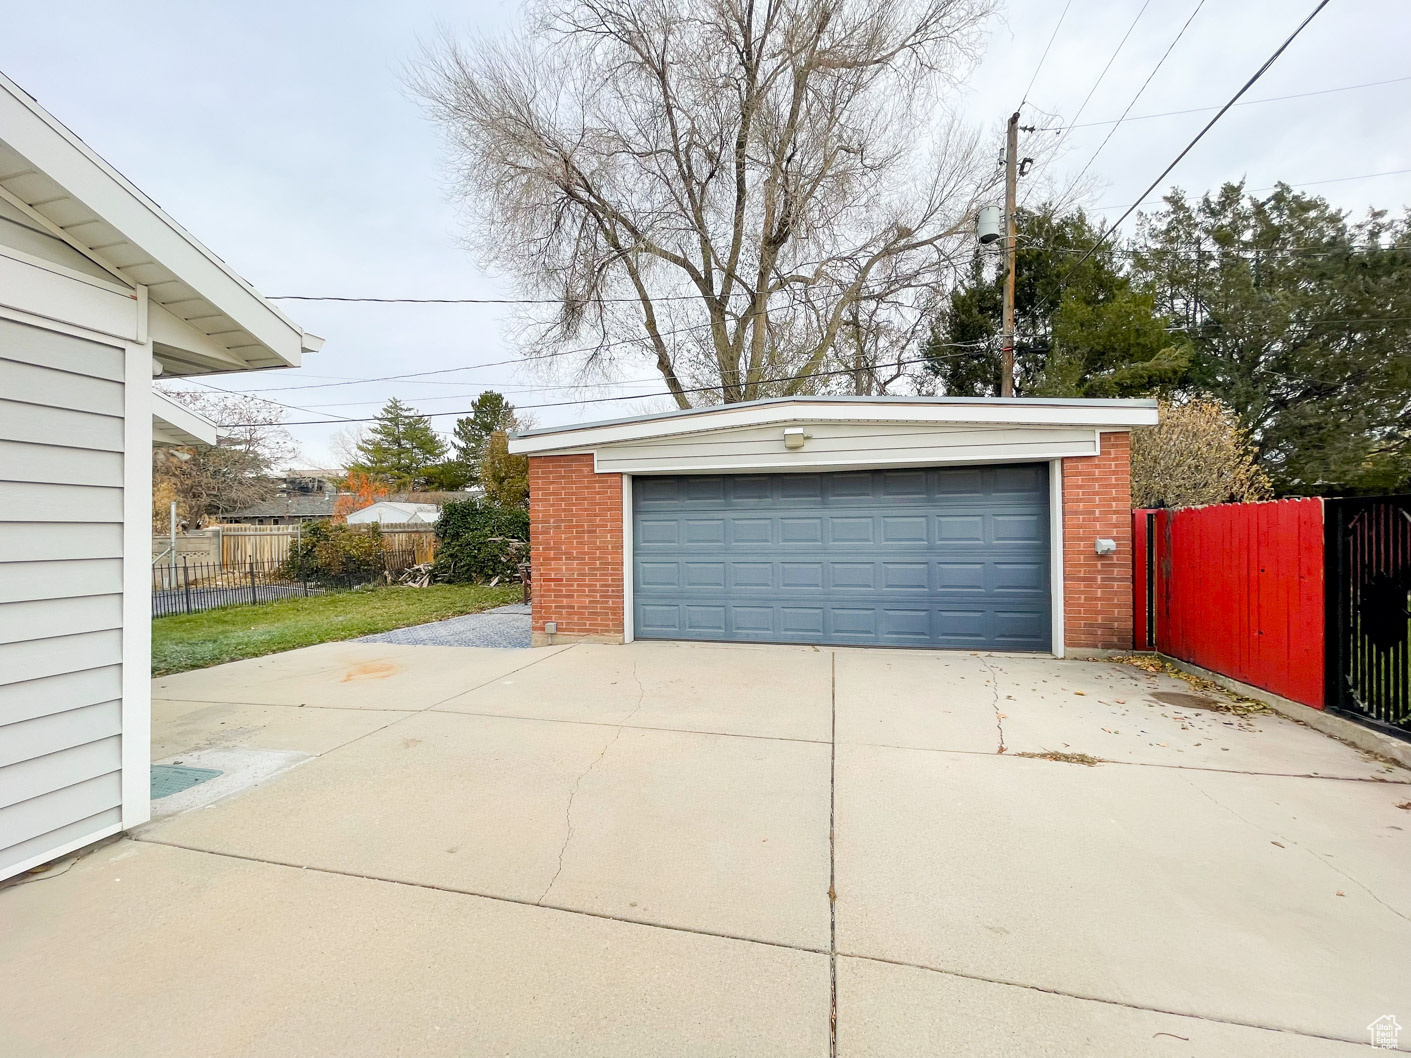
pixel 1102 414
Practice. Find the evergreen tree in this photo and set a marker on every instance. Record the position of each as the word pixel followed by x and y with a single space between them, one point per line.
pixel 1301 323
pixel 401 448
pixel 1081 329
pixel 490 413
pixel 504 475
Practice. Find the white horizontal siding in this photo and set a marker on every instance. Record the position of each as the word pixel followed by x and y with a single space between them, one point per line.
pixel 37 658
pixel 61 590
pixel 64 767
pixel 54 694
pixel 833 445
pixel 59 426
pixel 74 835
pixel 23 581
pixel 30 739
pixel 58 352
pixel 50 618
pixel 71 541
pixel 33 384
pixel 50 811
pixel 53 502
pixel 77 466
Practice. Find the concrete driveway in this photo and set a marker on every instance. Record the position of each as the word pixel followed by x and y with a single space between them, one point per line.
pixel 599 850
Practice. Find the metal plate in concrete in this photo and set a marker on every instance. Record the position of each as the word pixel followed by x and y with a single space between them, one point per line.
pixel 168 779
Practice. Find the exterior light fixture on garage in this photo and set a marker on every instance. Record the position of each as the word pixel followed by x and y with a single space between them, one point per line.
pixel 794 437
pixel 1105 546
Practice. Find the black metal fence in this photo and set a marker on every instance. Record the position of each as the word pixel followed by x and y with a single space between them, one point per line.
pixel 190 587
pixel 1368 578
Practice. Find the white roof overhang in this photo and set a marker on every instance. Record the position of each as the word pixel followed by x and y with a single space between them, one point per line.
pixel 173 424
pixel 202 316
pixel 937 411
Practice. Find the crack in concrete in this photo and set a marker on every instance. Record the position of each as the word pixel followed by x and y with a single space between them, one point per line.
pixel 573 794
pixel 1317 856
pixel 1087 998
pixel 994 694
pixel 833 860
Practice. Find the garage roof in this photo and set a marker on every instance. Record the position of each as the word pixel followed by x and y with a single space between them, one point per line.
pixel 203 317
pixel 990 411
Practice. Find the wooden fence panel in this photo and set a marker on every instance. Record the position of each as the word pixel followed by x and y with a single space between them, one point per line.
pixel 1239 591
pixel 242 544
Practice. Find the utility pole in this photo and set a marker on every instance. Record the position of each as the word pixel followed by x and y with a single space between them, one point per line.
pixel 1011 179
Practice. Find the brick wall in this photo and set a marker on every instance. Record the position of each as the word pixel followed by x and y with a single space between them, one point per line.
pixel 575 531
pixel 1097 589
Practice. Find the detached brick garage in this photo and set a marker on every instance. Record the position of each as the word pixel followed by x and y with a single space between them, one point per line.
pixel 869 521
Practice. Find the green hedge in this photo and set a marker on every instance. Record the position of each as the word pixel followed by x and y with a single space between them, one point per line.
pixel 480 541
pixel 325 552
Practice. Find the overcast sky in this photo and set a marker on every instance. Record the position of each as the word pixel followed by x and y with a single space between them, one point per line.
pixel 280 135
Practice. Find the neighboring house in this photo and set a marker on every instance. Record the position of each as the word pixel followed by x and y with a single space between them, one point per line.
pixel 99 291
pixel 300 499
pixel 980 524
pixel 395 513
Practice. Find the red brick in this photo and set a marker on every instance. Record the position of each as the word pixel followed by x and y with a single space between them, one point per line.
pixel 1097 611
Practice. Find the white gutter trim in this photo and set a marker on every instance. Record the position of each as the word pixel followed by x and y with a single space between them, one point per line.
pixel 1016 413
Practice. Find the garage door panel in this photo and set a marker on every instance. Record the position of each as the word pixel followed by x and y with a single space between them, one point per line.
pixel 830 558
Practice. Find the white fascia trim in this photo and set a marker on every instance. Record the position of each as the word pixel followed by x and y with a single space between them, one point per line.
pixel 628 523
pixel 64 158
pixel 1008 414
pixel 1055 544
pixel 136 716
pixel 174 424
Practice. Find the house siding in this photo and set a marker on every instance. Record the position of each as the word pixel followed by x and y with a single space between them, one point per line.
pixel 841 445
pixel 61 589
pixel 1097 589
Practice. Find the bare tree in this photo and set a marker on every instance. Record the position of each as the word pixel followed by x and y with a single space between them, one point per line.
pixel 762 196
pixel 209 481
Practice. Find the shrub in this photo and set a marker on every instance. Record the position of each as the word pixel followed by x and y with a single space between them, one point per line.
pixel 327 551
pixel 480 541
pixel 1198 454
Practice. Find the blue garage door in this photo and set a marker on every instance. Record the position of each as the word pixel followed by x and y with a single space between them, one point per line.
pixel 941 557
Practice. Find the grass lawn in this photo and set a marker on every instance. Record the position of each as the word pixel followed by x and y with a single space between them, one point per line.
pixel 193 641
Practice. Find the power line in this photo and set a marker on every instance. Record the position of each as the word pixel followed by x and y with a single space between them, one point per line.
pixel 476 367
pixel 1087 98
pixel 1198 137
pixel 1275 187
pixel 1117 124
pixel 972 346
pixel 1052 36
pixel 1242 103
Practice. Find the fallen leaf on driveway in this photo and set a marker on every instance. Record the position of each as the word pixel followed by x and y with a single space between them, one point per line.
pixel 1341 893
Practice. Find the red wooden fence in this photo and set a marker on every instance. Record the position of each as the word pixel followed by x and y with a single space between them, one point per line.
pixel 1239 591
